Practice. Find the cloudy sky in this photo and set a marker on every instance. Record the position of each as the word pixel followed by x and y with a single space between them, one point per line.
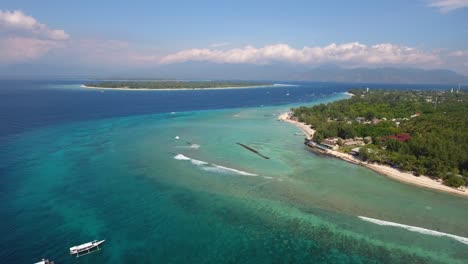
pixel 143 34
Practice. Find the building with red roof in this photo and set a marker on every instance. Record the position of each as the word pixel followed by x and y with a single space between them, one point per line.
pixel 399 137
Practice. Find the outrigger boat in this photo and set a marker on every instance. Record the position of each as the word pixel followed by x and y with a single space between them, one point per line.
pixel 86 248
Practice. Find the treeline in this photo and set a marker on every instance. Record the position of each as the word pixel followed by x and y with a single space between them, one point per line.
pixel 172 84
pixel 437 122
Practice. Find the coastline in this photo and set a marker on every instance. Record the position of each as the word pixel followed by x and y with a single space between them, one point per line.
pixel 186 89
pixel 308 132
pixel 405 177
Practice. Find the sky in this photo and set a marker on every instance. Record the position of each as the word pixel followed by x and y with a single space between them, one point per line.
pixel 112 36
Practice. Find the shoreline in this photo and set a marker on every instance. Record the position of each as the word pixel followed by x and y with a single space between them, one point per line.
pixel 186 89
pixel 308 132
pixel 395 174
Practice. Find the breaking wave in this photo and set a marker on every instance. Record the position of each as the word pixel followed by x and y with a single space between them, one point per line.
pixel 181 157
pixel 213 167
pixel 421 230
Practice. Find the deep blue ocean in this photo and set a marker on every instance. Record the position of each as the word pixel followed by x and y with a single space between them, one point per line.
pixel 78 164
pixel 26 104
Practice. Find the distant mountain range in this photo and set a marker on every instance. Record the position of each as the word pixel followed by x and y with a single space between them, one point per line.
pixel 212 71
pixel 383 75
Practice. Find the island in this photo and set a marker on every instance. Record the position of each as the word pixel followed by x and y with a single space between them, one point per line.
pixel 175 85
pixel 418 137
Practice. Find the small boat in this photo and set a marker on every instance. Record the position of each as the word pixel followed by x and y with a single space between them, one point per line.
pixel 86 248
pixel 44 261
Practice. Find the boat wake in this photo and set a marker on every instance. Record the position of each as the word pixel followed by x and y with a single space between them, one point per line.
pixel 421 230
pixel 284 84
pixel 213 167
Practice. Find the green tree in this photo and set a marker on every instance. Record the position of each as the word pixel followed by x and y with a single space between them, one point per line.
pixel 318 137
pixel 370 115
pixel 454 181
pixel 346 131
pixel 393 145
pixel 420 170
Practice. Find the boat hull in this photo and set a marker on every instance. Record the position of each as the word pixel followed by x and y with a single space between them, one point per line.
pixel 86 248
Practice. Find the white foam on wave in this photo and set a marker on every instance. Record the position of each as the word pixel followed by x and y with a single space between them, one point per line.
pixel 192 146
pixel 181 157
pixel 421 230
pixel 193 161
pixel 222 169
pixel 213 167
pixel 198 162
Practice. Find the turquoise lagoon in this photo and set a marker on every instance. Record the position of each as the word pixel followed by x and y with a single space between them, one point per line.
pixel 202 198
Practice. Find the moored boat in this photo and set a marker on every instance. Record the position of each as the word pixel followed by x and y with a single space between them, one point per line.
pixel 86 248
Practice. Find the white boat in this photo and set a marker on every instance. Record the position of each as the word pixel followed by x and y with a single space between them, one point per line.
pixel 86 248
pixel 44 261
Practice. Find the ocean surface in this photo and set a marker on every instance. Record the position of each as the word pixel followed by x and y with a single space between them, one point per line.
pixel 159 175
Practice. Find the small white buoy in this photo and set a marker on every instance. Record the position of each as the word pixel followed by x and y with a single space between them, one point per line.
pixel 177 137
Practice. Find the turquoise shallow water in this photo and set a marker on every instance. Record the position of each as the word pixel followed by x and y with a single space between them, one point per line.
pixel 119 179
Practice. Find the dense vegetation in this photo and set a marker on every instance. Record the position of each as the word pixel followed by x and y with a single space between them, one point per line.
pixel 172 84
pixel 437 122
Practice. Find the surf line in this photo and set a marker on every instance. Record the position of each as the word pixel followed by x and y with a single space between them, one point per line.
pixel 421 230
pixel 253 150
pixel 212 167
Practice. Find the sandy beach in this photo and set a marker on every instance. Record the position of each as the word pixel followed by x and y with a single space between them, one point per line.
pixel 393 173
pixel 185 89
pixel 308 132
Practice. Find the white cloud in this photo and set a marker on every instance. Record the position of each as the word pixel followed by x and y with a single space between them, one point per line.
pixel 23 38
pixel 446 6
pixel 219 44
pixel 458 60
pixel 21 49
pixel 459 53
pixel 20 23
pixel 349 53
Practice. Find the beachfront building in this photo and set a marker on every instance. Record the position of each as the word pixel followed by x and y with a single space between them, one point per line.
pixel 331 143
pixel 360 119
pixel 375 121
pixel 353 142
pixel 355 151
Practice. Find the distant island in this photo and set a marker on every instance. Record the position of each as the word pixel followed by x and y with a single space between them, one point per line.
pixel 419 137
pixel 174 85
